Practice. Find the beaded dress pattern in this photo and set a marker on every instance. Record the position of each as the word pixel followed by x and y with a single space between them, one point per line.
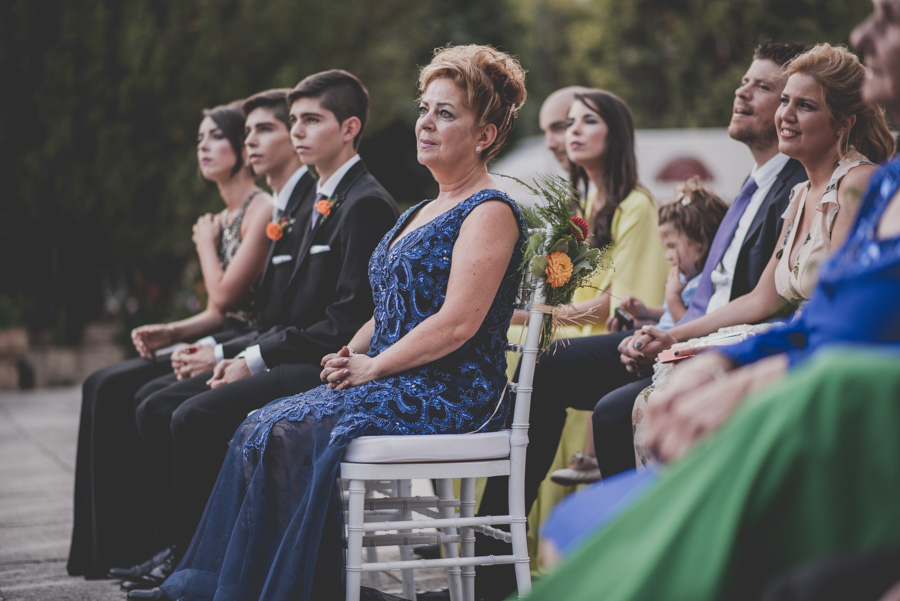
pixel 272 527
pixel 456 393
pixel 229 242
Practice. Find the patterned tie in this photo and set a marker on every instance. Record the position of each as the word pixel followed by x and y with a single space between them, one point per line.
pixel 717 250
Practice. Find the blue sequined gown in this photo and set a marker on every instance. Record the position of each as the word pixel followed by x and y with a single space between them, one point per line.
pixel 272 527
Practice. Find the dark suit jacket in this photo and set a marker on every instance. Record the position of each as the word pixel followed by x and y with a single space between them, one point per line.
pixel 272 285
pixel 759 243
pixel 327 297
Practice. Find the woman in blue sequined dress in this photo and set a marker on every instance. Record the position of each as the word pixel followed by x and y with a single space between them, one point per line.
pixel 431 360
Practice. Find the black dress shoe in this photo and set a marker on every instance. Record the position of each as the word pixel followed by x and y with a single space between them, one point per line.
pixel 153 594
pixel 428 551
pixel 156 576
pixel 142 569
pixel 135 585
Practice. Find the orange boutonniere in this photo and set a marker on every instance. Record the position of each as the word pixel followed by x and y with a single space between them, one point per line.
pixel 325 206
pixel 275 230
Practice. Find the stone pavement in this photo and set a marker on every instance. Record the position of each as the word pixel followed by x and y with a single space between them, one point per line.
pixel 38 432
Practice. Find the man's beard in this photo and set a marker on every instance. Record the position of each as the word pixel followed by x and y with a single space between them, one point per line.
pixel 752 138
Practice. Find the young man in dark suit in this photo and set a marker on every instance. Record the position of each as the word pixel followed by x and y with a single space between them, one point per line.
pixel 590 368
pixel 111 460
pixel 327 298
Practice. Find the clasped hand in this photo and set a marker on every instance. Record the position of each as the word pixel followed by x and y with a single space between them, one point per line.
pixel 229 370
pixel 343 369
pixel 639 350
pixel 193 360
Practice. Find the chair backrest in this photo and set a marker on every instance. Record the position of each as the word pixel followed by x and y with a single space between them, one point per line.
pixel 530 351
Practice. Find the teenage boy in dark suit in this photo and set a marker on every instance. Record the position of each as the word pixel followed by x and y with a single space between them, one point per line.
pixel 111 463
pixel 326 300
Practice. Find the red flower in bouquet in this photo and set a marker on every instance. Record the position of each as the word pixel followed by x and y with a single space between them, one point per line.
pixel 579 227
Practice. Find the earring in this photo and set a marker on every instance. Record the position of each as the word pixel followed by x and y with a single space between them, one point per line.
pixel 478 149
pixel 837 134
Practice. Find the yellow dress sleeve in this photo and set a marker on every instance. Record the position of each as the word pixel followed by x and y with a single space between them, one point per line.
pixel 639 267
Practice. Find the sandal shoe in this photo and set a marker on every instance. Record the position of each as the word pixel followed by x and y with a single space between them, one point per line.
pixel 572 477
pixel 583 469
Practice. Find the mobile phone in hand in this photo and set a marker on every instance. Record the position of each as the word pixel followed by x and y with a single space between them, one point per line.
pixel 625 318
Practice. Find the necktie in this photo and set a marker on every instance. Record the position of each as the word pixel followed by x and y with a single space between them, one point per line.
pixel 717 250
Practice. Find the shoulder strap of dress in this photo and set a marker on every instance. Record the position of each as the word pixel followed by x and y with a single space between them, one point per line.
pixel 485 195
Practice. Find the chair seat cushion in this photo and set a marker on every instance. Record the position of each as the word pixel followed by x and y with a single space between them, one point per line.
pixel 428 448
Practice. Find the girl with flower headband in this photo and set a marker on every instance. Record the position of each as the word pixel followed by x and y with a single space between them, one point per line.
pixel 687 227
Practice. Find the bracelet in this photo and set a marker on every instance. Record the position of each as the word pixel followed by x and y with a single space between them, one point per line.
pixel 352 352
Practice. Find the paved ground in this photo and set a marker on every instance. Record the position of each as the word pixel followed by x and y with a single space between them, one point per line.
pixel 38 431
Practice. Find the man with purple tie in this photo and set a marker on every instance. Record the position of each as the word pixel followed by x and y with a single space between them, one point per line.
pixel 590 368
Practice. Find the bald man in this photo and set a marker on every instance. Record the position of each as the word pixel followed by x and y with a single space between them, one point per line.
pixel 553 119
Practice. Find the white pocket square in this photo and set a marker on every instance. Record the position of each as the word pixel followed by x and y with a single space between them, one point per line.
pixel 319 248
pixel 279 259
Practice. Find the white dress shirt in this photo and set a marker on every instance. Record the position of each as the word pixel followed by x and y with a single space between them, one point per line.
pixel 252 354
pixel 723 277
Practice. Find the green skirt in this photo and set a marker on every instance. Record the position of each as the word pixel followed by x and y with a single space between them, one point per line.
pixel 806 467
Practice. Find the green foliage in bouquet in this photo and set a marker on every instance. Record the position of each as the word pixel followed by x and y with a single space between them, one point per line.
pixel 557 254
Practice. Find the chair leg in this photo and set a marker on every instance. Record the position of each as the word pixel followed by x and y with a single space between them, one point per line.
pixel 371 552
pixel 451 550
pixel 403 488
pixel 355 506
pixel 467 510
pixel 518 529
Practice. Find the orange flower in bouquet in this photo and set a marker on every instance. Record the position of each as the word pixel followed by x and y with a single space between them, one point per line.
pixel 559 269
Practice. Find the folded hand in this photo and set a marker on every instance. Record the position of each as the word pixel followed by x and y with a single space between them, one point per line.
pixel 193 360
pixel 344 369
pixel 640 350
pixel 227 371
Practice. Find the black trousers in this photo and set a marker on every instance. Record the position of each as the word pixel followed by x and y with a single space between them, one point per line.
pixel 187 428
pixel 110 466
pixel 576 375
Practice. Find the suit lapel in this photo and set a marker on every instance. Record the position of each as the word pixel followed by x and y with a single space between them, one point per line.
pixel 341 192
pixel 301 189
pixel 784 176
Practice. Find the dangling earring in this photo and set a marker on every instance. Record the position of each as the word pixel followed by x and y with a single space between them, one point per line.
pixel 478 149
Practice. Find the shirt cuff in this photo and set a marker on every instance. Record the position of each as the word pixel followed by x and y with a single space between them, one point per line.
pixel 253 357
pixel 206 341
pixel 219 352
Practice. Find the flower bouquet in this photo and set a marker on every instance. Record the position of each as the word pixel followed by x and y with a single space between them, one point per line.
pixel 557 255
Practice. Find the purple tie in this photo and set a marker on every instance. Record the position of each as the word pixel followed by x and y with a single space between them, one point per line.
pixel 717 250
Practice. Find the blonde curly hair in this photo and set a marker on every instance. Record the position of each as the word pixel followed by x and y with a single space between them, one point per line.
pixel 493 83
